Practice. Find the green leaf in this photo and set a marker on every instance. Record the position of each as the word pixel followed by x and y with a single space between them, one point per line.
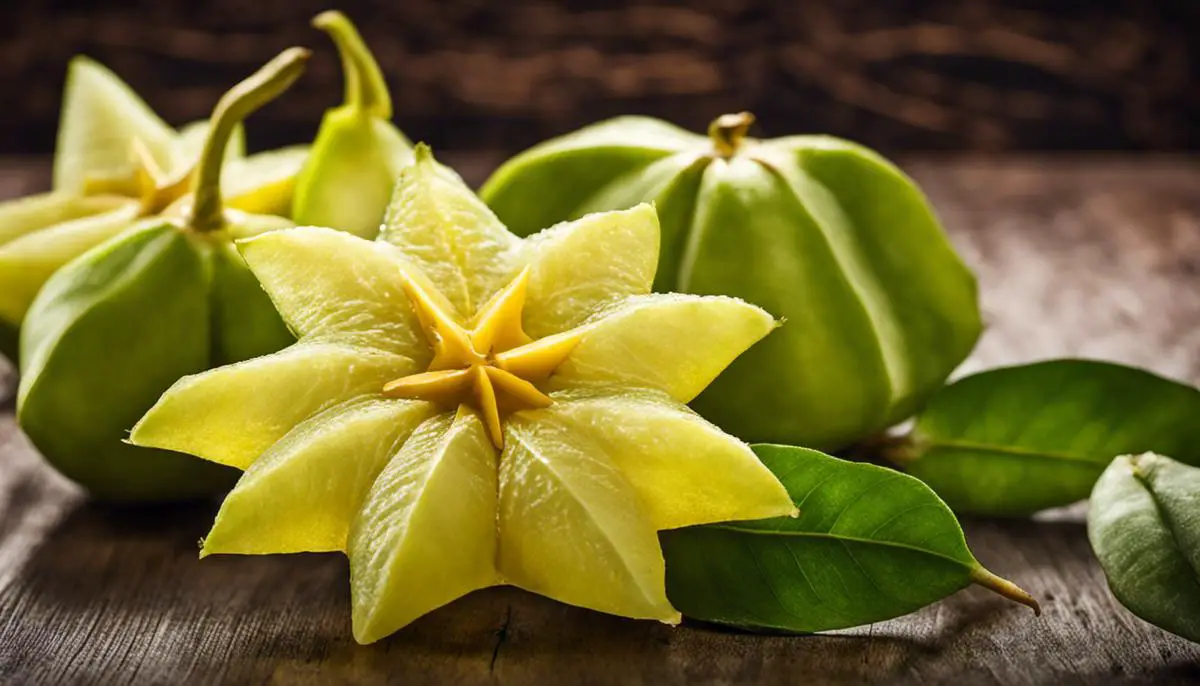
pixel 1145 528
pixel 1021 439
pixel 869 544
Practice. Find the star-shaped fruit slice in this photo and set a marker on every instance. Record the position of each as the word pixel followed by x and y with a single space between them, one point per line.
pixel 116 162
pixel 465 408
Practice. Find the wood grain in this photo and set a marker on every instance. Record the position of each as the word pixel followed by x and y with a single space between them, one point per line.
pixel 1097 257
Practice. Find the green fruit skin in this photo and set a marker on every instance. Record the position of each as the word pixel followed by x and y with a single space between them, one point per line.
pixel 824 234
pixel 347 181
pixel 111 331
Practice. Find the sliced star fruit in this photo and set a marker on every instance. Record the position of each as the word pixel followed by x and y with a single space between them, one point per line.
pixel 117 162
pixel 166 297
pixel 465 409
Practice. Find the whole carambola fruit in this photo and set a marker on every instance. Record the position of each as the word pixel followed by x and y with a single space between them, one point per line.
pixel 347 181
pixel 115 327
pixel 877 307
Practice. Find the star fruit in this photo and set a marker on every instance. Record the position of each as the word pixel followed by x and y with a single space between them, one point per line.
pixel 465 408
pixel 358 153
pixel 822 232
pixel 117 162
pixel 171 296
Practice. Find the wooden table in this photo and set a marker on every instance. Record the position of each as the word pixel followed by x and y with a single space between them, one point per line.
pixel 1095 257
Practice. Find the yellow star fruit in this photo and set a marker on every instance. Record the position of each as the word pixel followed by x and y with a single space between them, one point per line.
pixel 116 162
pixel 465 408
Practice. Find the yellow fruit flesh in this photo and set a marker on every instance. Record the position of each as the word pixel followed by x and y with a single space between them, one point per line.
pixel 231 415
pixel 684 469
pixel 27 262
pixel 331 459
pixel 449 233
pixel 572 528
pixel 101 117
pixel 427 533
pixel 585 476
pixel 670 342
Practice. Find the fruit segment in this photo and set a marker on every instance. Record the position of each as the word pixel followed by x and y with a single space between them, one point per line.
pixel 232 414
pixel 442 226
pixel 331 459
pixel 427 532
pixel 23 215
pixel 572 528
pixel 263 183
pixel 670 342
pixel 577 267
pixel 685 470
pixel 26 262
pixel 101 118
pixel 446 312
pixel 331 286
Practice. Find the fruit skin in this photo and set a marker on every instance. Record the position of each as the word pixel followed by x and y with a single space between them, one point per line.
pixel 101 343
pixel 118 325
pixel 822 233
pixel 347 181
pixel 349 177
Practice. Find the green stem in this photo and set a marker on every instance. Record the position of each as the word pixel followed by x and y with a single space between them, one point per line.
pixel 263 86
pixel 366 90
pixel 728 131
pixel 1006 588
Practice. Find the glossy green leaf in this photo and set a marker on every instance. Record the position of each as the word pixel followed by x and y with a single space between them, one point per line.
pixel 1021 439
pixel 1144 525
pixel 869 544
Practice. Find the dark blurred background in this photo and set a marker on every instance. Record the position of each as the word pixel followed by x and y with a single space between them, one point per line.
pixel 503 74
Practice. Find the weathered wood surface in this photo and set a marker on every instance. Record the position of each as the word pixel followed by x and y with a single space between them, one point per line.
pixel 1096 257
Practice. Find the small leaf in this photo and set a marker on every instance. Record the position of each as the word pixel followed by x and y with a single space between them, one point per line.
pixel 869 544
pixel 1021 439
pixel 1145 528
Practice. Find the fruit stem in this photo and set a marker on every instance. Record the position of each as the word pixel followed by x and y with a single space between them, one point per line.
pixel 366 89
pixel 1006 588
pixel 263 86
pixel 728 131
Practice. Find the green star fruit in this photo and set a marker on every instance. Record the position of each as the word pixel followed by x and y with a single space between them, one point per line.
pixel 165 297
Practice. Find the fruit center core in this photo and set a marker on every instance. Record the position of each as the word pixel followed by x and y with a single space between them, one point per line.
pixel 491 367
pixel 145 181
